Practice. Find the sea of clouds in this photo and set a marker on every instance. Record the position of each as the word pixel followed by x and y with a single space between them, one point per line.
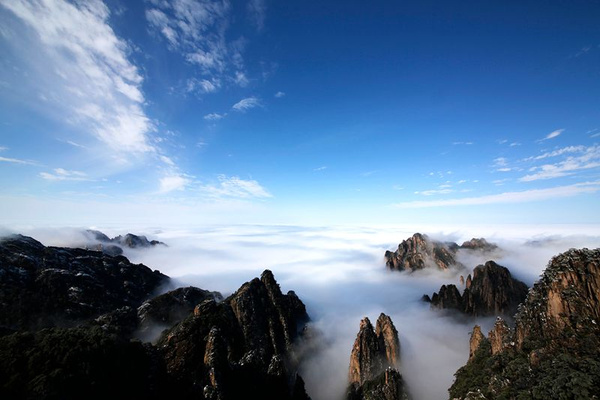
pixel 340 274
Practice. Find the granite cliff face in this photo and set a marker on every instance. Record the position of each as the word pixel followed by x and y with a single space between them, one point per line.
pixel 241 347
pixel 491 291
pixel 554 349
pixel 419 251
pixel 374 361
pixel 52 286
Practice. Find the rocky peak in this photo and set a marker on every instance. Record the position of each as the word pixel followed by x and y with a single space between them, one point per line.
pixel 365 360
pixel 254 355
pixel 556 338
pixel 476 339
pixel 566 298
pixel 388 339
pixel 418 252
pixel 491 291
pixel 167 309
pixel 500 336
pixel 373 372
pixel 115 245
pixel 479 244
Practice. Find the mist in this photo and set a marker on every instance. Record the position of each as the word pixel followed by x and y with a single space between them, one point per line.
pixel 340 274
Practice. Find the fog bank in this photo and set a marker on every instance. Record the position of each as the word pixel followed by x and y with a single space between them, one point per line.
pixel 340 275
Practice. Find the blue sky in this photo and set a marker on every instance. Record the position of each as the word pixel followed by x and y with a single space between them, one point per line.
pixel 181 111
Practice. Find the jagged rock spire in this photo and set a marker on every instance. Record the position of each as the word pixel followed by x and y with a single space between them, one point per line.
pixel 374 360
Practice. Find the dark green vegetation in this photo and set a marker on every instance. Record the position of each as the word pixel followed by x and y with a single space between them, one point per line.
pixel 554 350
pixel 70 317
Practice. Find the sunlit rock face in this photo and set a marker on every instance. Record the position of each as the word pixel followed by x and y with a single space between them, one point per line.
pixel 554 349
pixel 374 362
pixel 491 291
pixel 241 347
pixel 418 252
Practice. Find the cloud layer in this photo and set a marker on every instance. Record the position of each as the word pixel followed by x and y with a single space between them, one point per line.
pixel 93 77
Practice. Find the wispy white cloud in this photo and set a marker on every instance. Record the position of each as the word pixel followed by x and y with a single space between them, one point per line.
pixel 166 160
pixel 214 116
pixel 202 85
pixel 173 182
pixel 462 143
pixel 434 192
pixel 247 104
pixel 241 79
pixel 323 168
pixel 74 144
pixel 95 82
pixel 61 174
pixel 279 95
pixel 2 148
pixel 552 135
pixel 509 197
pixel 235 187
pixel 501 165
pixel 197 30
pixel 513 144
pixel 17 161
pixel 257 10
pixel 559 152
pixel 588 160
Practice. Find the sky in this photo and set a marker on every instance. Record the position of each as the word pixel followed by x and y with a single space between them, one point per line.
pixel 299 112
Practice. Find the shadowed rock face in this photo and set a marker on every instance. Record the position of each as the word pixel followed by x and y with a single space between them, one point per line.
pixel 491 291
pixel 172 307
pixel 50 286
pixel 554 349
pixel 373 372
pixel 241 347
pixel 114 246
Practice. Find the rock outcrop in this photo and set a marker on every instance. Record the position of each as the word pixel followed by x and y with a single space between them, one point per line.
pixel 52 286
pixel 172 307
pixel 554 349
pixel 476 339
pixel 479 244
pixel 89 305
pixel 374 362
pixel 491 291
pixel 114 247
pixel 241 347
pixel 418 252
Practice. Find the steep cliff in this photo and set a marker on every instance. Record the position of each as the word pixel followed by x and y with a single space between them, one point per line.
pixel 418 252
pixel 554 349
pixel 238 348
pixel 241 347
pixel 491 291
pixel 374 362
